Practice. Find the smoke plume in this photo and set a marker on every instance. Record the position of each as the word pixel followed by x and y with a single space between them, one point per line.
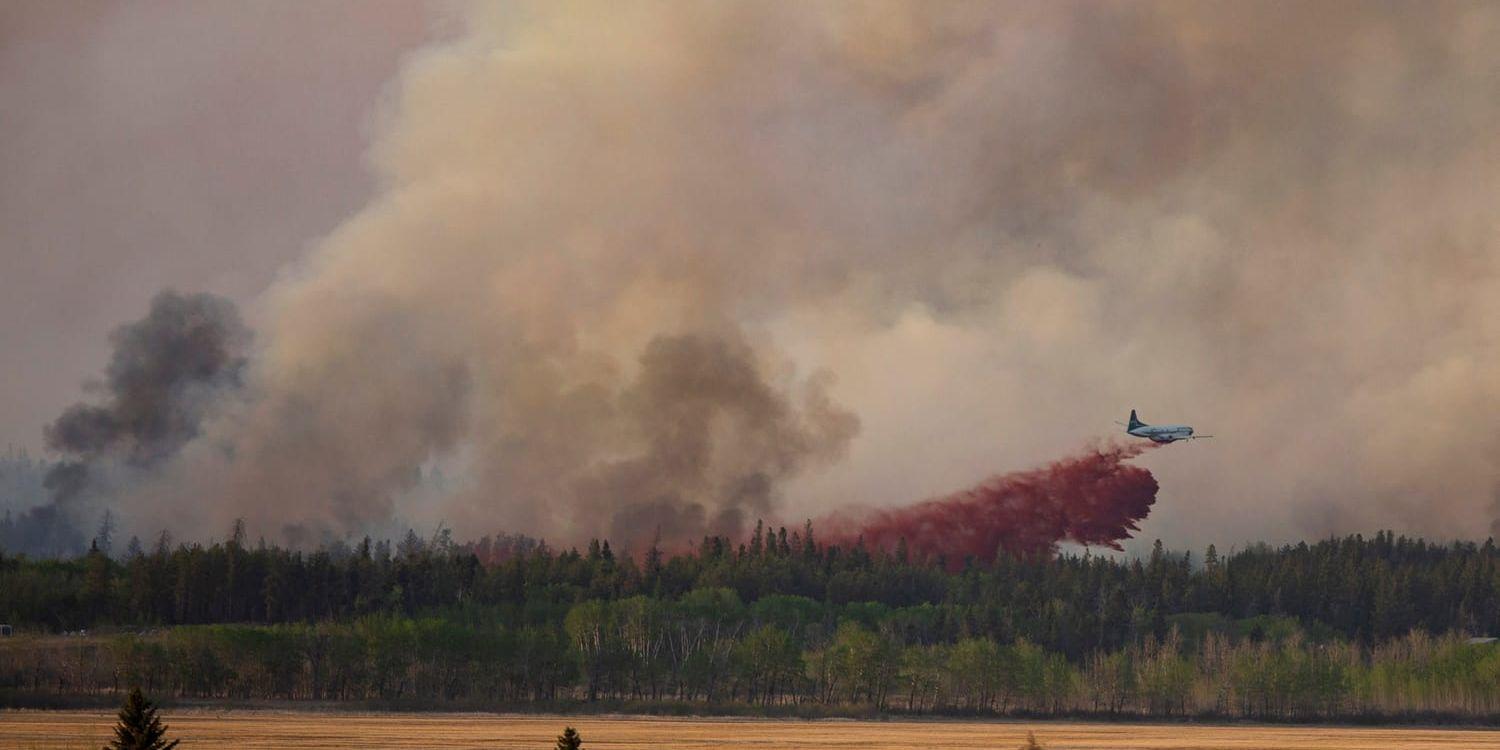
pixel 167 372
pixel 1093 498
pixel 718 439
pixel 166 369
pixel 637 266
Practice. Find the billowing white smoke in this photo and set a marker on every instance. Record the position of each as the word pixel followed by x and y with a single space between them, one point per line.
pixel 637 266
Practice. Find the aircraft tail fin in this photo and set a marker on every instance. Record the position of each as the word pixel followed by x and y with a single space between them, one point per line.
pixel 1134 421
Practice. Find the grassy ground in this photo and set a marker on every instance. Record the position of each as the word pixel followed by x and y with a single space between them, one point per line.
pixel 263 730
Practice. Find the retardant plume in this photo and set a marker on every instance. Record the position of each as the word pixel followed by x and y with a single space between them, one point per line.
pixel 1093 498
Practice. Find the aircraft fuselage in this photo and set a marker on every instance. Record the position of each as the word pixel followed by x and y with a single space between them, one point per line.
pixel 1163 433
pixel 1158 433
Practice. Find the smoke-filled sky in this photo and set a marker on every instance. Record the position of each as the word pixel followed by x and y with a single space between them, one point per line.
pixel 197 144
pixel 620 268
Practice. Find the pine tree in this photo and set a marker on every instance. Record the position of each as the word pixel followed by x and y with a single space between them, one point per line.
pixel 139 728
pixel 96 582
pixel 104 540
pixel 652 573
pixel 569 739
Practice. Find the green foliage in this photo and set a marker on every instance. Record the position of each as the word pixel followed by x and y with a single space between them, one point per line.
pixel 1306 631
pixel 1356 589
pixel 1164 677
pixel 479 659
pixel 767 660
pixel 138 726
pixel 569 739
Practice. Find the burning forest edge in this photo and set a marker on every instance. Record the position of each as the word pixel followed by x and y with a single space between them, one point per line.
pixel 1092 498
pixel 183 365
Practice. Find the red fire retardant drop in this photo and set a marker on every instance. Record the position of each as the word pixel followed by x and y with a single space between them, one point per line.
pixel 1094 498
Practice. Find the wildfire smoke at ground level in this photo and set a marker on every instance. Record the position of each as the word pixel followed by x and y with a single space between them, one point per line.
pixel 1093 498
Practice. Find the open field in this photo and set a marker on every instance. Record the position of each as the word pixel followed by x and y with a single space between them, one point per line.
pixel 258 730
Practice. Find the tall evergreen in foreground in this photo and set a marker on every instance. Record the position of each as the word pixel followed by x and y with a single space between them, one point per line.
pixel 138 727
pixel 569 739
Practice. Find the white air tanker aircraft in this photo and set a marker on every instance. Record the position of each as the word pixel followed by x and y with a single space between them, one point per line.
pixel 1160 433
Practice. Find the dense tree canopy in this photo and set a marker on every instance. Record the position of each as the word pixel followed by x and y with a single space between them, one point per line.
pixel 1366 590
pixel 1321 629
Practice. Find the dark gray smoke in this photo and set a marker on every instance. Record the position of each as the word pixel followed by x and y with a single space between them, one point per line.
pixel 167 372
pixel 718 439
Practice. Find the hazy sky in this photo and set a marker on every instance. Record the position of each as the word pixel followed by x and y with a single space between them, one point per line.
pixel 609 267
pixel 197 144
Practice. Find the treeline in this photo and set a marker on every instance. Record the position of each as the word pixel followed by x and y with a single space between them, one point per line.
pixel 1362 590
pixel 712 651
pixel 1332 629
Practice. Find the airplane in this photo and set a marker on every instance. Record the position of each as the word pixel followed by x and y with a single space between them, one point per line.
pixel 1159 433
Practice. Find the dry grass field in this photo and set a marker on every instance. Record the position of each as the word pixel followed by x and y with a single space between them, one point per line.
pixel 259 730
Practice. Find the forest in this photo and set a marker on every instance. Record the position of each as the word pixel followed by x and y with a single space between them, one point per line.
pixel 1343 628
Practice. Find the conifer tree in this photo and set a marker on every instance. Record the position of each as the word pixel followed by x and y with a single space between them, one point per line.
pixel 138 727
pixel 96 581
pixel 104 539
pixel 569 739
